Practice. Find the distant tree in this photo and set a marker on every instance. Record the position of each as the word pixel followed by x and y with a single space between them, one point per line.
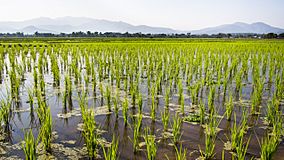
pixel 89 33
pixel 281 35
pixel 270 35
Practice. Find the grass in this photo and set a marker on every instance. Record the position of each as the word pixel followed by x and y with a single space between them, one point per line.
pixel 242 149
pixel 89 127
pixel 229 107
pixel 165 119
pixel 108 97
pixel 5 113
pixel 181 154
pixel 151 147
pixel 136 133
pixel 111 152
pixel 176 128
pixel 268 147
pixel 91 138
pixel 125 110
pixel 153 104
pixel 167 97
pixel 29 146
pixel 201 112
pixel 46 131
pixel 140 103
pixel 238 132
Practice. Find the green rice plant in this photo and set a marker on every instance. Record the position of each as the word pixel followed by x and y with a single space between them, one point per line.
pixel 35 76
pixel 241 150
pixel 239 81
pixel 180 153
pixel 55 70
pixel 202 112
pixel 176 128
pixel 46 131
pixel 268 147
pixel 31 98
pixel 151 147
pixel 89 128
pixel 41 110
pixel 165 119
pixel 5 111
pixel 116 102
pixel 111 152
pixel 272 111
pixel 210 136
pixel 29 146
pixel 211 97
pixel 229 107
pixel 257 95
pixel 194 90
pixel 238 132
pixel 101 89
pixel 140 103
pixel 167 97
pixel 108 97
pixel 136 133
pixel 182 104
pixel 125 110
pixel 153 105
pixel 180 90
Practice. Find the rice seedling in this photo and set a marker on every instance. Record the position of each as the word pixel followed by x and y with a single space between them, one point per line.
pixel 181 154
pixel 140 103
pixel 108 97
pixel 151 147
pixel 29 146
pixel 125 110
pixel 229 107
pixel 167 97
pixel 238 132
pixel 211 99
pixel 165 119
pixel 46 131
pixel 116 102
pixel 201 112
pixel 268 147
pixel 210 137
pixel 136 133
pixel 111 152
pixel 241 150
pixel 176 128
pixel 91 138
pixel 153 105
pixel 5 111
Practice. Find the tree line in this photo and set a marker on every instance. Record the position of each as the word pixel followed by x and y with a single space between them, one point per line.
pixel 148 35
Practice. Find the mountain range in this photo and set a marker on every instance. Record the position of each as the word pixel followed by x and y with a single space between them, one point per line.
pixel 75 24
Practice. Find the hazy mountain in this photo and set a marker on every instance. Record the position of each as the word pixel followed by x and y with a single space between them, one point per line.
pixel 73 24
pixel 240 27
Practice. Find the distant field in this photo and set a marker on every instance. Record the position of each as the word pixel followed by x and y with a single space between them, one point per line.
pixel 135 98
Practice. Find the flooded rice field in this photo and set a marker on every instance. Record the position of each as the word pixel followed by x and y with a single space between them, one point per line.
pixel 142 100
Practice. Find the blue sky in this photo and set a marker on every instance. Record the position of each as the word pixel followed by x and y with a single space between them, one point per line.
pixel 178 14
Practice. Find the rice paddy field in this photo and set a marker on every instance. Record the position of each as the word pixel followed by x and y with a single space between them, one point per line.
pixel 141 99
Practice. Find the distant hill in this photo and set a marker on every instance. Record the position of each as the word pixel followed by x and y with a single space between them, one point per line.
pixel 240 27
pixel 75 24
